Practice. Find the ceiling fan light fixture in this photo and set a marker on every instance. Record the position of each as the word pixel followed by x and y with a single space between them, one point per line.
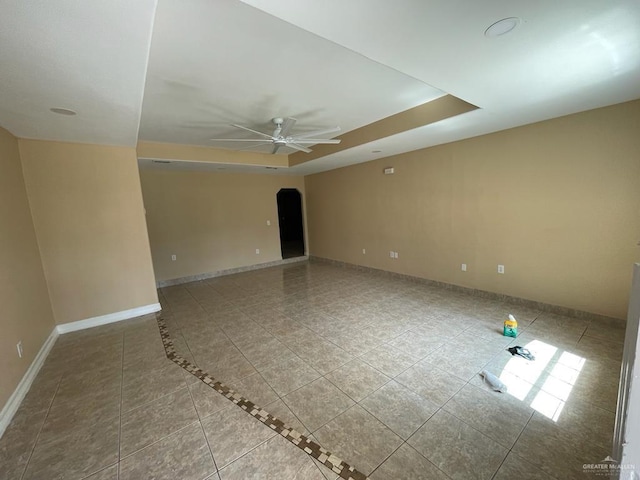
pixel 502 27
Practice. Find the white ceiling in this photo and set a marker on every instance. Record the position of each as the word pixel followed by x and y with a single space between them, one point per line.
pixel 221 62
pixel 216 62
pixel 88 56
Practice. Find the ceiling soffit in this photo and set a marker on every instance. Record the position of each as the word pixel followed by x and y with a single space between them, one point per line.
pixel 428 113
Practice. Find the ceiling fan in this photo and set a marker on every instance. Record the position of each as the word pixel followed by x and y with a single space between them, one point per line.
pixel 282 137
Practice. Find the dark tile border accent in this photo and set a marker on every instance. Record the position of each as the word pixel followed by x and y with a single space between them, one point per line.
pixel 544 307
pixel 229 271
pixel 334 463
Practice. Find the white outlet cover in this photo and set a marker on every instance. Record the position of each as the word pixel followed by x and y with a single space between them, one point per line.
pixel 500 268
pixel 173 258
pixel 391 255
pixel 464 267
pixel 395 254
pixel 257 251
pixel 364 251
pixel 268 223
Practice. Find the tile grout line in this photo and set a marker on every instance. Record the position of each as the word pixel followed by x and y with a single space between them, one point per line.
pixel 120 409
pixel 129 455
pixel 146 403
pixel 514 444
pixel 206 439
pixel 26 465
pixel 404 442
pixel 255 447
pixel 292 412
pixel 308 446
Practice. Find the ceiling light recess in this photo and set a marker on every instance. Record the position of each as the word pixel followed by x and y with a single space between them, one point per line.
pixel 502 27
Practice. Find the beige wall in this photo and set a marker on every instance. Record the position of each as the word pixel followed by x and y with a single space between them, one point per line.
pixel 26 312
pixel 88 215
pixel 212 221
pixel 557 202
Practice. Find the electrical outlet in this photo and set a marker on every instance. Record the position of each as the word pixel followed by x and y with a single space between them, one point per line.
pixel 500 268
pixel 464 267
pixel 268 223
pixel 19 347
pixel 257 251
pixel 364 251
pixel 391 255
pixel 173 258
pixel 395 254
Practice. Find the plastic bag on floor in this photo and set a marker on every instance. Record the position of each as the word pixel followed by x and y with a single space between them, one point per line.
pixel 522 352
pixel 494 382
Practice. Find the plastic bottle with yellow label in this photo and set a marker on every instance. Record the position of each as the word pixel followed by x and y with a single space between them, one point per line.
pixel 510 327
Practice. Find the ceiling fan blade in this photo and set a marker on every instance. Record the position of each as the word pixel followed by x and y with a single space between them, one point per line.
pixel 237 139
pixel 276 146
pixel 253 146
pixel 295 146
pixel 302 141
pixel 318 132
pixel 287 125
pixel 250 130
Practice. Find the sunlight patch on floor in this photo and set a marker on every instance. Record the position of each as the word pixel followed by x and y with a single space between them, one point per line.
pixel 549 378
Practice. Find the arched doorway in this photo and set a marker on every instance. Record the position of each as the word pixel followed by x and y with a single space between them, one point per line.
pixel 290 222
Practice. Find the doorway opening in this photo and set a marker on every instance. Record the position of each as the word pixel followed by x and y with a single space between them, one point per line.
pixel 290 221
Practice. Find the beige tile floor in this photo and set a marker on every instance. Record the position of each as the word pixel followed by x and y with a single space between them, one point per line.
pixel 381 371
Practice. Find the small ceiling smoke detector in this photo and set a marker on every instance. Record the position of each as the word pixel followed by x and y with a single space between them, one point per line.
pixel 502 27
pixel 63 111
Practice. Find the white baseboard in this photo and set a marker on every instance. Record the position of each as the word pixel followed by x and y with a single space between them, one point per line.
pixel 12 405
pixel 109 318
